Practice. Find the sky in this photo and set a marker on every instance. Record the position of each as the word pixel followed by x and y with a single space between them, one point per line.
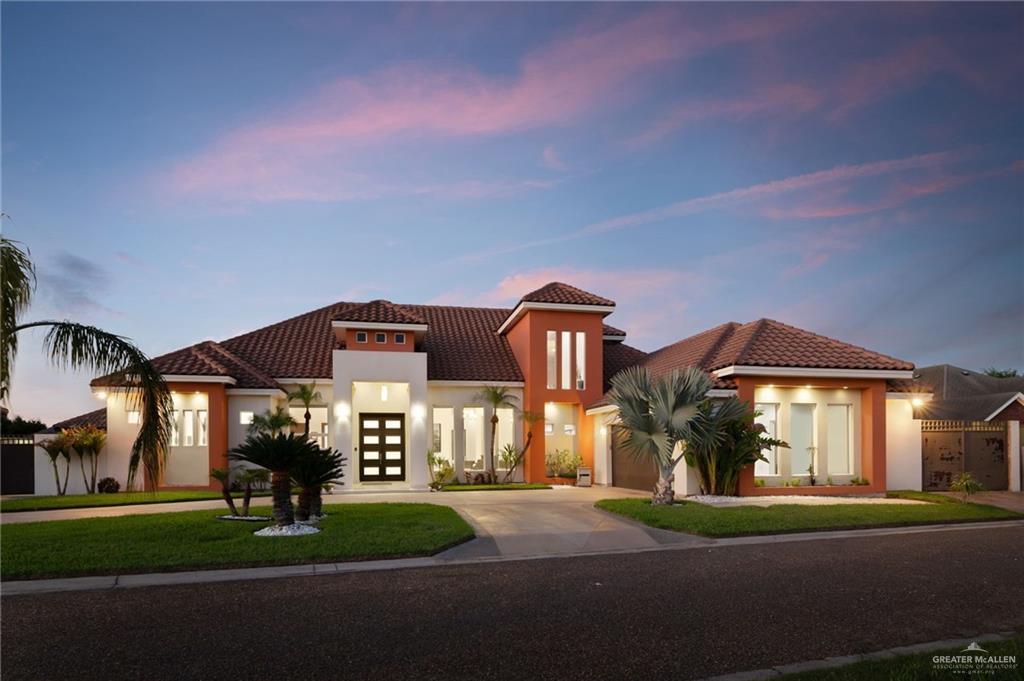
pixel 184 172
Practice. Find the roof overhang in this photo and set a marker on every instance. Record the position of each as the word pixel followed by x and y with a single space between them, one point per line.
pixel 811 372
pixel 256 392
pixel 926 397
pixel 1019 397
pixel 523 307
pixel 305 381
pixel 475 384
pixel 609 408
pixel 184 378
pixel 609 337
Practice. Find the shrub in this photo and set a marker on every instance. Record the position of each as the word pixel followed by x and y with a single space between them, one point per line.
pixel 441 470
pixel 965 485
pixel 795 482
pixel 562 463
pixel 108 486
pixel 857 480
pixel 759 482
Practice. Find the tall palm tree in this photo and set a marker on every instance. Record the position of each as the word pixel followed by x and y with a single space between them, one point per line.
pixel 656 415
pixel 79 346
pixel 320 467
pixel 278 454
pixel 498 398
pixel 58 447
pixel 307 394
pixel 272 422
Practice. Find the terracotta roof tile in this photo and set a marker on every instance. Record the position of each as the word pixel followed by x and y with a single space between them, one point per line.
pixel 557 292
pixel 205 359
pixel 618 356
pixel 609 330
pixel 462 344
pixel 97 418
pixel 380 312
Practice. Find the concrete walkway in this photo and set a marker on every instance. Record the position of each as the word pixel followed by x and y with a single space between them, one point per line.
pixel 1011 501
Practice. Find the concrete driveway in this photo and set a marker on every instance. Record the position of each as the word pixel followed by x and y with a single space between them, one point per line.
pixel 1011 501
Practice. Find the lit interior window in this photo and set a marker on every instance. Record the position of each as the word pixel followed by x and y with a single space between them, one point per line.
pixel 566 359
pixel 245 418
pixel 202 417
pixel 175 429
pixel 133 416
pixel 581 360
pixel 552 348
pixel 189 426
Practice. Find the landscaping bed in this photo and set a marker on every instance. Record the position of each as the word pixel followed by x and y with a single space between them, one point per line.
pixel 740 521
pixel 50 503
pixel 498 486
pixel 190 540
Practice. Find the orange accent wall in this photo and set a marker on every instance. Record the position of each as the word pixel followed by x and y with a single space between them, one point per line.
pixel 528 339
pixel 217 406
pixel 371 344
pixel 872 443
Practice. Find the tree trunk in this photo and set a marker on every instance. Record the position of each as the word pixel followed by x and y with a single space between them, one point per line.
pixel 56 475
pixel 67 474
pixel 494 444
pixel 308 417
pixel 95 464
pixel 519 459
pixel 316 506
pixel 281 485
pixel 226 491
pixel 664 494
pixel 246 498
pixel 85 478
pixel 305 499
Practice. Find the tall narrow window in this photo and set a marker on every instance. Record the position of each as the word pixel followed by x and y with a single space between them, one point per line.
pixel 768 416
pixel 473 426
pixel 133 416
pixel 505 434
pixel 838 439
pixel 201 417
pixel 175 429
pixel 566 359
pixel 189 428
pixel 245 418
pixel 552 348
pixel 801 439
pixel 581 360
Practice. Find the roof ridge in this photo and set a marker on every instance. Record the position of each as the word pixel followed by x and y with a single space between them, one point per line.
pixel 759 326
pixel 729 328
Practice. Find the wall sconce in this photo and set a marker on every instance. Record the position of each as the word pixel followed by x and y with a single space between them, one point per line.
pixel 917 401
pixel 383 393
pixel 101 395
pixel 342 411
pixel 418 411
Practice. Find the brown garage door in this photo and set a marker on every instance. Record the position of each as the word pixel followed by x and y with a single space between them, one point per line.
pixel 952 447
pixel 629 472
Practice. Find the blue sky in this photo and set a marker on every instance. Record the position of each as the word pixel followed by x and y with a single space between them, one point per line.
pixel 193 171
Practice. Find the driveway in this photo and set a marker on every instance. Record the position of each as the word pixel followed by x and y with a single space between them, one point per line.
pixel 1011 501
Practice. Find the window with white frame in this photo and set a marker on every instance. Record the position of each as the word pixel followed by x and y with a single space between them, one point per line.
pixel 505 435
pixel 552 350
pixel 189 428
pixel 175 428
pixel 380 338
pixel 838 439
pixel 581 360
pixel 768 416
pixel 202 418
pixel 133 416
pixel 361 336
pixel 566 359
pixel 399 339
pixel 245 418
pixel 473 430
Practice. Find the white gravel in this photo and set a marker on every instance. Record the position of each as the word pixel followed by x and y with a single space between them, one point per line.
pixel 295 530
pixel 800 499
pixel 246 518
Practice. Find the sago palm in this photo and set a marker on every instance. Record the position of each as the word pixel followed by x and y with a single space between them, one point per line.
pixel 58 447
pixel 222 476
pixel 271 422
pixel 79 346
pixel 307 394
pixel 318 468
pixel 249 478
pixel 498 398
pixel 655 418
pixel 279 455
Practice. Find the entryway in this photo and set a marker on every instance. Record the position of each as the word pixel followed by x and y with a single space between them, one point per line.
pixel 381 447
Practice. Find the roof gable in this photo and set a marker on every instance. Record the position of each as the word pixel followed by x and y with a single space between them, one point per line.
pixel 563 294
pixel 380 312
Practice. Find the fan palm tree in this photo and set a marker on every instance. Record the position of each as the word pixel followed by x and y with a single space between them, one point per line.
pixel 318 468
pixel 307 394
pixel 529 418
pixel 77 346
pixel 279 454
pixel 271 422
pixel 498 398
pixel 656 416
pixel 58 447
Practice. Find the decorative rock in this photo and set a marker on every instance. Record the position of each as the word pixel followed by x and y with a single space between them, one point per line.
pixel 295 530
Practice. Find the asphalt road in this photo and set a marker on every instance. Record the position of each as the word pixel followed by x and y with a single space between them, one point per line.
pixel 679 614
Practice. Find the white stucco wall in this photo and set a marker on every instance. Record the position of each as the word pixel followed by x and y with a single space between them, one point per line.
pixel 237 431
pixel 902 446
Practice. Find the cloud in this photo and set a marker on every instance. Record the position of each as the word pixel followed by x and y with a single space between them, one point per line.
pixel 550 158
pixel 70 284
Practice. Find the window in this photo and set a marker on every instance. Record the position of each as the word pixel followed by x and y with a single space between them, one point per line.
pixel 380 338
pixel 566 359
pixel 801 439
pixel 175 429
pixel 190 428
pixel 399 339
pixel 245 418
pixel 361 336
pixel 323 436
pixel 838 439
pixel 473 427
pixel 581 360
pixel 133 416
pixel 552 347
pixel 444 426
pixel 769 418
pixel 505 434
pixel 201 416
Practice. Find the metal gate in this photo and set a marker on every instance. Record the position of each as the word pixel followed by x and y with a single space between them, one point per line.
pixel 629 472
pixel 953 447
pixel 17 467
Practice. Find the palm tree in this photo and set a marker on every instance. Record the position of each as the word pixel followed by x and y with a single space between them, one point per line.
pixel 78 346
pixel 222 476
pixel 307 394
pixel 279 454
pixel 498 398
pixel 656 416
pixel 248 478
pixel 88 441
pixel 320 467
pixel 529 418
pixel 271 422
pixel 56 447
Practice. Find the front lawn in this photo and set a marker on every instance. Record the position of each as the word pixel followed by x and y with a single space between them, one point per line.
pixel 196 539
pixel 117 499
pixel 709 521
pixel 919 666
pixel 499 486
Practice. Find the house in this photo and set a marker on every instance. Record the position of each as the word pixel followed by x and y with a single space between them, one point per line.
pixel 397 380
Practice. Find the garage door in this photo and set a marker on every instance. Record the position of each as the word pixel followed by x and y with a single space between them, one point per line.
pixel 952 447
pixel 630 473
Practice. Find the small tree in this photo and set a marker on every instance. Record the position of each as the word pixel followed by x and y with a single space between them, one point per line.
pixel 966 485
pixel 314 469
pixel 58 447
pixel 529 418
pixel 271 422
pixel 249 478
pixel 497 398
pixel 1001 373
pixel 222 476
pixel 279 455
pixel 441 470
pixel 306 394
pixel 88 442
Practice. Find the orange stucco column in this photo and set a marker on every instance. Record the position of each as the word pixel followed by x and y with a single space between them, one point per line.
pixel 217 428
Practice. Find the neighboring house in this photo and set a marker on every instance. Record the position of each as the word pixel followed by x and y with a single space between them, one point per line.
pixel 972 424
pixel 397 380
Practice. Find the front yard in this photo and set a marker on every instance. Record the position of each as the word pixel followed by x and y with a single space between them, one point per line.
pixel 51 503
pixel 708 521
pixel 196 539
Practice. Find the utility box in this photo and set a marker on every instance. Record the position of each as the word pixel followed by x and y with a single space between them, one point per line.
pixel 583 476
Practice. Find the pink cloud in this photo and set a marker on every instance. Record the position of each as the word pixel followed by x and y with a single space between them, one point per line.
pixel 550 158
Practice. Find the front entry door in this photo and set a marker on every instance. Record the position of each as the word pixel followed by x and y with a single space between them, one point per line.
pixel 381 447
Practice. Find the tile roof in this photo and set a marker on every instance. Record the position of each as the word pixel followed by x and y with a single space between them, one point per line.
pixel 380 312
pixel 609 330
pixel 557 292
pixel 97 418
pixel 961 394
pixel 205 359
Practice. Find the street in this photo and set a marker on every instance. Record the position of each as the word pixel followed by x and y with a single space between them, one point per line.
pixel 684 614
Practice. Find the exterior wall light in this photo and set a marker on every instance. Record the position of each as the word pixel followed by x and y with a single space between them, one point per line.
pixel 917 401
pixel 101 395
pixel 418 411
pixel 383 393
pixel 342 411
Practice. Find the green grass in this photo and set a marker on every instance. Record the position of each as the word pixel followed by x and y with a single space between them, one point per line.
pixel 189 540
pixel 501 486
pixel 917 666
pixel 117 499
pixel 747 520
pixel 921 496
